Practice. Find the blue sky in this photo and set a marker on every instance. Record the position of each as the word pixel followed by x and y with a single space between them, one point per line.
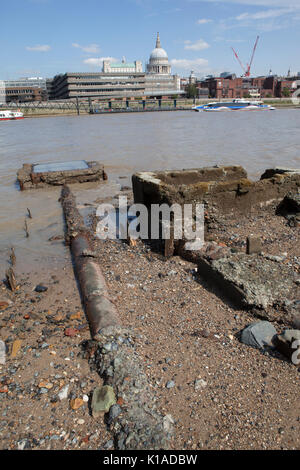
pixel 46 37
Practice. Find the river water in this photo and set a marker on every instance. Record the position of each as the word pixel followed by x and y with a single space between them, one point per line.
pixel 127 143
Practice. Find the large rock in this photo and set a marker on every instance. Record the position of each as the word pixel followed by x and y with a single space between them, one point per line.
pixel 288 343
pixel 103 398
pixel 259 335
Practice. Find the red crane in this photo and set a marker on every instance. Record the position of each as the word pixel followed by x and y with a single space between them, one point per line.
pixel 247 70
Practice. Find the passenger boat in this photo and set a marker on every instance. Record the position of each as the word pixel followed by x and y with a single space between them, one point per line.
pixel 10 115
pixel 234 105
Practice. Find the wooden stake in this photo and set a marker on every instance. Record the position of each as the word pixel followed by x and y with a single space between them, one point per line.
pixel 26 229
pixel 11 279
pixel 12 257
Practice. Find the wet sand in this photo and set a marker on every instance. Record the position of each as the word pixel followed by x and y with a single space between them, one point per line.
pixel 224 394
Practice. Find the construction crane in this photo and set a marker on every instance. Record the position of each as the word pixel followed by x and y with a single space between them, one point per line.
pixel 247 69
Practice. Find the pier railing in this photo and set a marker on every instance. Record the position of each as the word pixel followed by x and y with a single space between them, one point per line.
pixel 94 106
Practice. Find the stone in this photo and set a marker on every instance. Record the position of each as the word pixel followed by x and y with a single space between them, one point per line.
pixel 254 245
pixel 2 352
pixel 15 348
pixel 76 316
pixel 70 332
pixel 103 398
pixel 170 384
pixel 41 288
pixel 63 394
pixel 47 385
pixel 23 444
pixel 76 403
pixel 114 412
pixel 288 343
pixel 259 335
pixel 200 384
pixel 109 444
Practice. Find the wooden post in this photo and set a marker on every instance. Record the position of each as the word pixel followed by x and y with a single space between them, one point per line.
pixel 77 105
pixel 90 106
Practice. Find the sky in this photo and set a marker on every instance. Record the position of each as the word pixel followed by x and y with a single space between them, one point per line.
pixel 48 37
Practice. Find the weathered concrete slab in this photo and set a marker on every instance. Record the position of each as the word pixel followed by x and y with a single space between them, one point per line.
pixel 33 176
pixel 251 282
pixel 262 283
pixel 226 188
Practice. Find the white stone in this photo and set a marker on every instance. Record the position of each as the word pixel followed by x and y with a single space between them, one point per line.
pixel 63 394
pixel 200 384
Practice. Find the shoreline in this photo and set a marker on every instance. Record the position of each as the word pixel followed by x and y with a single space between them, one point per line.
pixel 220 393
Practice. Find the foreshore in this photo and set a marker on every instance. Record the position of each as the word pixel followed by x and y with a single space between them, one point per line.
pixel 216 392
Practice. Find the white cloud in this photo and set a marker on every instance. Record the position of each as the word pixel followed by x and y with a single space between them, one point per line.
pixel 199 45
pixel 90 49
pixel 262 15
pixel 198 65
pixel 204 21
pixel 98 61
pixel 38 48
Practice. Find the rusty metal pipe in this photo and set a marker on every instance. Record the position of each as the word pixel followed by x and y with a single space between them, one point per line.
pixel 100 311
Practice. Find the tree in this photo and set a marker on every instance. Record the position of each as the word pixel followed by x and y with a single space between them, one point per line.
pixel 286 92
pixel 191 91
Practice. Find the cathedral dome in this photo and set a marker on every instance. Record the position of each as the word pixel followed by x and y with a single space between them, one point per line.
pixel 158 62
pixel 158 53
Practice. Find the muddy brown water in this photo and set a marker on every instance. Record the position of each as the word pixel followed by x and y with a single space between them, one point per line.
pixel 125 143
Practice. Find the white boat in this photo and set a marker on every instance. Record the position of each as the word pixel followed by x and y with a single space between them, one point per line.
pixel 10 115
pixel 234 105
